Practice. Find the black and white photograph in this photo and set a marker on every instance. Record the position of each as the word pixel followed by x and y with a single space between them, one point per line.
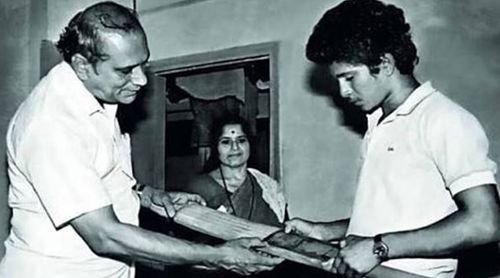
pixel 249 138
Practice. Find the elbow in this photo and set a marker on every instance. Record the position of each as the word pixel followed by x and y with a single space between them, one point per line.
pixel 105 249
pixel 102 241
pixel 101 244
pixel 479 210
pixel 487 228
pixel 101 231
pixel 494 228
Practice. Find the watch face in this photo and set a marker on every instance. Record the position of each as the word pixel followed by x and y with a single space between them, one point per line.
pixel 380 249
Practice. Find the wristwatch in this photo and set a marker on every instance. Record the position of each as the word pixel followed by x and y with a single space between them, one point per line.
pixel 380 248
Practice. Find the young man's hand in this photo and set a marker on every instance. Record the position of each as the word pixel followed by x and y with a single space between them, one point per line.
pixel 356 256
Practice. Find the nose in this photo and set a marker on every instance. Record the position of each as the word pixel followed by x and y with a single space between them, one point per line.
pixel 345 89
pixel 235 145
pixel 138 77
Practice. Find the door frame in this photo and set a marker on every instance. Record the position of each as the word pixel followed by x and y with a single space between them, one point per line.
pixel 229 56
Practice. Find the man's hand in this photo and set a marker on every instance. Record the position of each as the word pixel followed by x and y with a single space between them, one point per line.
pixel 180 199
pixel 242 259
pixel 161 201
pixel 356 257
pixel 301 227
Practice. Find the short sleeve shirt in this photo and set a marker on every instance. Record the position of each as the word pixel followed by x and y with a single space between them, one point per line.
pixel 413 162
pixel 66 157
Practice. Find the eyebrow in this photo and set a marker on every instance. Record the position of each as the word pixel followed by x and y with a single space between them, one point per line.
pixel 343 74
pixel 132 66
pixel 229 137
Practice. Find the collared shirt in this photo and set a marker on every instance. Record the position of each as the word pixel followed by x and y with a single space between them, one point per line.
pixel 66 157
pixel 414 161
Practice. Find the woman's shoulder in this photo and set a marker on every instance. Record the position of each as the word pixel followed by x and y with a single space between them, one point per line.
pixel 199 182
pixel 262 177
pixel 267 183
pixel 202 177
pixel 272 193
pixel 205 186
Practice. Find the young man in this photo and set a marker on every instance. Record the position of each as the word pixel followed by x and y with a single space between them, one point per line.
pixel 75 212
pixel 426 186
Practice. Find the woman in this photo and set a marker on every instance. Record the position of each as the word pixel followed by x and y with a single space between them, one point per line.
pixel 229 185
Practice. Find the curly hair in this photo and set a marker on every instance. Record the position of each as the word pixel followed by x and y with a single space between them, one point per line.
pixel 216 131
pixel 361 32
pixel 83 33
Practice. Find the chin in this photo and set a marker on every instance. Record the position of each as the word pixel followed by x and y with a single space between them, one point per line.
pixel 128 100
pixel 369 110
pixel 235 164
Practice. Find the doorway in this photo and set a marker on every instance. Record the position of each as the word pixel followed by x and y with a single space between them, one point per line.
pixel 198 88
pixel 168 145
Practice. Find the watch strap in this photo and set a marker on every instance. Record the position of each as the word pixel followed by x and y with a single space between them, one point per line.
pixel 138 188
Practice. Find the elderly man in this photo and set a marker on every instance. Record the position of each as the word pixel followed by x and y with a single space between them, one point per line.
pixel 74 198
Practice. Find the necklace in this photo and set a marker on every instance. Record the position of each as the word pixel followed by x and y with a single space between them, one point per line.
pixel 228 194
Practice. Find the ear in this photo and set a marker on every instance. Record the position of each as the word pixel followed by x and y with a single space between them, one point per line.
pixel 81 66
pixel 388 64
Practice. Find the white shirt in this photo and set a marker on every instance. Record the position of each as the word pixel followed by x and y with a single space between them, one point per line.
pixel 414 161
pixel 66 157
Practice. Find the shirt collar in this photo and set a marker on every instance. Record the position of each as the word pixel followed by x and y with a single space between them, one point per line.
pixel 79 95
pixel 110 110
pixel 412 101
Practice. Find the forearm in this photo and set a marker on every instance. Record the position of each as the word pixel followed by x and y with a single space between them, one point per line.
pixel 134 243
pixel 476 222
pixel 452 234
pixel 329 231
pixel 109 237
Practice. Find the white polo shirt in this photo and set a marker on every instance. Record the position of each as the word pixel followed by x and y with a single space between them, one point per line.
pixel 66 157
pixel 413 162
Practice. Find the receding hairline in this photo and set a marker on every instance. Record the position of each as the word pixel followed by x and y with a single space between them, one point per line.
pixel 111 16
pixel 106 39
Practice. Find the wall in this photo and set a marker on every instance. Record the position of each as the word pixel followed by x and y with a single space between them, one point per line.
pixel 319 153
